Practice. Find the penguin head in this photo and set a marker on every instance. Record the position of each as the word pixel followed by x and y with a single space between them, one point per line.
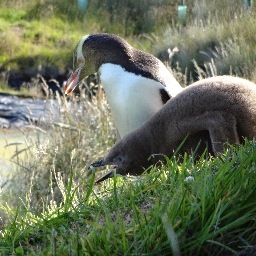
pixel 91 52
pixel 128 156
pixel 83 65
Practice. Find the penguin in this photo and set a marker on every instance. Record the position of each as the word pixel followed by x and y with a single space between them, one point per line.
pixel 136 83
pixel 218 110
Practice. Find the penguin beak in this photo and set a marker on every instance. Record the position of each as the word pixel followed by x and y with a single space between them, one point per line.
pixel 108 175
pixel 72 81
pixel 98 163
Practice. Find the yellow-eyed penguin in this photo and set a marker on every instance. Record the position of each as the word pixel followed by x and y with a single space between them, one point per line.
pixel 136 83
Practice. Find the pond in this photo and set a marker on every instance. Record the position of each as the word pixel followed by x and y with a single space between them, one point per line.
pixel 15 113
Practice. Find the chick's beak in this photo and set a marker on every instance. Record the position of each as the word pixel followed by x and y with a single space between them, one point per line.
pixel 108 175
pixel 72 81
pixel 98 163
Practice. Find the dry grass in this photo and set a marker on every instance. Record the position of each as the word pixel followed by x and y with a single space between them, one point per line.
pixel 83 133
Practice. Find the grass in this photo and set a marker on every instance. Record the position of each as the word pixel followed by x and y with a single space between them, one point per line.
pixel 228 42
pixel 84 128
pixel 159 212
pixel 48 32
pixel 43 42
pixel 23 92
pixel 52 207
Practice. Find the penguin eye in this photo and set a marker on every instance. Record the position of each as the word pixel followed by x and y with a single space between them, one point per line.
pixel 119 159
pixel 80 60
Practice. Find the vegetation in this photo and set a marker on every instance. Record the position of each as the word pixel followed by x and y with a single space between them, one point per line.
pixel 207 208
pixel 223 37
pixel 50 205
pixel 42 41
pixel 219 33
pixel 49 30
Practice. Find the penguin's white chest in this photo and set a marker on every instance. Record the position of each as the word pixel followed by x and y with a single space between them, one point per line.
pixel 133 99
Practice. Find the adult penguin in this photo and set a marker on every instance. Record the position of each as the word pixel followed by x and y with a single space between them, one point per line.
pixel 136 83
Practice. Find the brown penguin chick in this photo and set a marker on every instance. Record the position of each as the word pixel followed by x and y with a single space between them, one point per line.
pixel 219 110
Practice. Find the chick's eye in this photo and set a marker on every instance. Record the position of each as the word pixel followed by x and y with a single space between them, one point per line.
pixel 119 159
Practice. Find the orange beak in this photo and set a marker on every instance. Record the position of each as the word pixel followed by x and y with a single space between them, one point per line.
pixel 72 81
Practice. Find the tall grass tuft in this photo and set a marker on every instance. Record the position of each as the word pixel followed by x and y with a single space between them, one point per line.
pixel 229 43
pixel 80 132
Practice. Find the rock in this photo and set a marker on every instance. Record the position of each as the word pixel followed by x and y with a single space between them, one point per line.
pixel 16 78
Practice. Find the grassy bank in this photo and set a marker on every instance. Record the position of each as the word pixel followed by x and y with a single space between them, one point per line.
pixel 48 32
pixel 35 42
pixel 179 209
pixel 45 33
pixel 51 206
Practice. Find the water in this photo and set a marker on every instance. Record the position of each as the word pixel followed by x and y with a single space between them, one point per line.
pixel 16 112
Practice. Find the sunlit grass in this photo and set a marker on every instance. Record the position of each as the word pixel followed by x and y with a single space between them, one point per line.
pixel 228 43
pixel 49 42
pixel 50 206
pixel 211 214
pixel 84 128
